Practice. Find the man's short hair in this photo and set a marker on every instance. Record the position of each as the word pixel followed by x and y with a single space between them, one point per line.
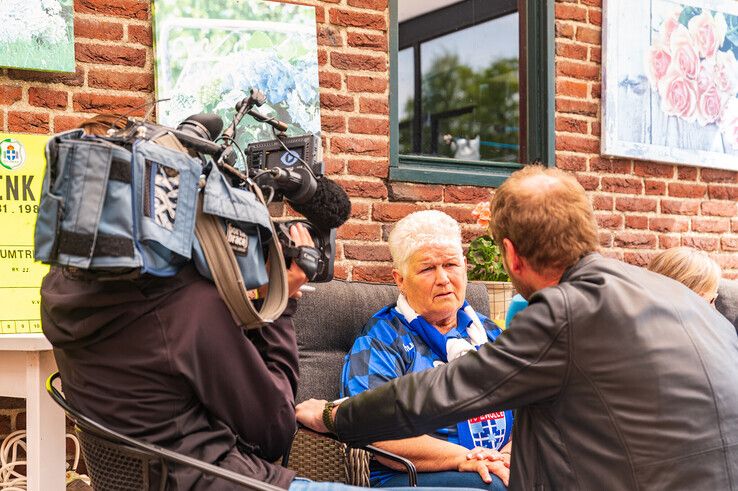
pixel 547 216
pixel 691 267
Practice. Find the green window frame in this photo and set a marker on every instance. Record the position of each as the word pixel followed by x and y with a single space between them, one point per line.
pixel 536 108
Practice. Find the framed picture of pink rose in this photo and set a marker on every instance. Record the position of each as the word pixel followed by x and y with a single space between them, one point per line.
pixel 670 81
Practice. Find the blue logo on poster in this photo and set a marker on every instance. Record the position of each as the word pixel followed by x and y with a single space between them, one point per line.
pixel 290 158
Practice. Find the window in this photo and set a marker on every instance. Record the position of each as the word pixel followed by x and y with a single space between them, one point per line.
pixel 471 89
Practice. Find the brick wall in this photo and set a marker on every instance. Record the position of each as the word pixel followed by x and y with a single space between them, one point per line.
pixel 641 206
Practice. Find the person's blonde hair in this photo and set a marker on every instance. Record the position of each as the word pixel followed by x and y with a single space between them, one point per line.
pixel 421 229
pixel 691 267
pixel 546 215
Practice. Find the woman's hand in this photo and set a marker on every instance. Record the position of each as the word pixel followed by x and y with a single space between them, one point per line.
pixel 295 275
pixel 485 460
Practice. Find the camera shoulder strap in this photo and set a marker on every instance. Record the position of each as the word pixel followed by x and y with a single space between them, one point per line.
pixel 227 275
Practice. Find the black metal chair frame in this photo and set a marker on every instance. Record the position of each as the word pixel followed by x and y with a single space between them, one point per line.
pixel 147 451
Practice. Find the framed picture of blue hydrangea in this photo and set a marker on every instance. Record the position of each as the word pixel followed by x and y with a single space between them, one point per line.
pixel 38 35
pixel 670 81
pixel 210 54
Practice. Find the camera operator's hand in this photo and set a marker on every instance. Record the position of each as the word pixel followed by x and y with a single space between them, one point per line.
pixel 295 276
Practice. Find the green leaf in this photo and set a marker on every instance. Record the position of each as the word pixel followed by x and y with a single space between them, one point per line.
pixel 688 13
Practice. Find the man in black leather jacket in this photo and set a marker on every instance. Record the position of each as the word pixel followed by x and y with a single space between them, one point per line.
pixel 623 379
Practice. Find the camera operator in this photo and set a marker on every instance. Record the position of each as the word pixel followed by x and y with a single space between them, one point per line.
pixel 162 360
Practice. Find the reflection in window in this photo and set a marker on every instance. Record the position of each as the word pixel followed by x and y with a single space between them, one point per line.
pixel 469 88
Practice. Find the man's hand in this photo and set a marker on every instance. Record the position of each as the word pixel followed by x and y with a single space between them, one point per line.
pixel 295 276
pixel 485 460
pixel 310 414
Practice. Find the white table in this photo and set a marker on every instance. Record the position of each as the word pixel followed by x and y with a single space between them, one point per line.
pixel 26 361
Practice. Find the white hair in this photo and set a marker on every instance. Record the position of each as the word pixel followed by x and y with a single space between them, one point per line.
pixel 422 229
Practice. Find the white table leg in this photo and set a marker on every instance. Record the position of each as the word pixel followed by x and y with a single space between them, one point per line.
pixel 44 427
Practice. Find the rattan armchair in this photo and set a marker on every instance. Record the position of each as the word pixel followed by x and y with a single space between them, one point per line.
pixel 116 462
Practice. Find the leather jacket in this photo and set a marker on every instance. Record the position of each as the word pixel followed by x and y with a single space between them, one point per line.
pixel 622 379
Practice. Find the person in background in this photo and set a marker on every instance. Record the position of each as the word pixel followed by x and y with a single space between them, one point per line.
pixel 690 267
pixel 430 324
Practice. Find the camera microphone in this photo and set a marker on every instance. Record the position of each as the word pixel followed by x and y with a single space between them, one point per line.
pixel 328 208
pixel 198 132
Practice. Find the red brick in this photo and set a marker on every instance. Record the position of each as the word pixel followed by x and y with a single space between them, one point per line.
pixel 341 271
pixel 377 42
pixel 723 192
pixel 336 102
pixel 679 207
pixel 589 183
pixel 364 188
pixel 625 185
pixel 460 213
pixel 359 211
pixel 108 79
pixel 654 187
pixel 364 20
pixel 718 175
pixel 668 224
pixel 650 169
pixel 374 168
pixel 594 17
pixel 596 128
pixel 719 208
pixel 109 54
pixel 577 70
pixel 687 173
pixel 360 146
pixel 638 258
pixel 734 225
pixel 635 240
pixel 577 106
pixel 595 56
pixel 369 126
pixel 587 35
pixel 373 106
pixel 132 9
pixel 701 243
pixel 322 57
pixel 600 202
pixel 571 88
pixel 372 274
pixel 610 166
pixel 568 11
pixel 334 165
pixel 727 261
pixel 577 143
pixel 320 14
pixel 570 162
pixel 635 204
pixel 64 123
pixel 369 4
pixel 466 194
pixel 329 80
pixel 609 220
pixel 140 34
pixel 359 231
pixel 98 103
pixel 711 225
pixel 28 122
pixel 48 98
pixel 391 212
pixel 367 252
pixel 669 241
pixel 329 36
pixel 76 79
pixel 681 190
pixel 564 30
pixel 638 222
pixel 605 239
pixel 571 125
pixel 10 94
pixel 729 243
pixel 572 51
pixel 366 84
pixel 358 62
pixel 97 29
pixel 404 191
pixel 333 124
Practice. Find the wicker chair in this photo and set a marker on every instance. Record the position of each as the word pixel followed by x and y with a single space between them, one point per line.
pixel 327 322
pixel 118 463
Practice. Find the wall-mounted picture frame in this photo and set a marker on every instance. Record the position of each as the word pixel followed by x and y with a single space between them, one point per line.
pixel 670 81
pixel 38 35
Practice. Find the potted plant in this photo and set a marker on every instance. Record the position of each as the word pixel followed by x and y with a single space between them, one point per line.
pixel 484 259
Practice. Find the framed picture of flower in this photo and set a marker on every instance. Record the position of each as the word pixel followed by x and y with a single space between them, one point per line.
pixel 209 54
pixel 670 81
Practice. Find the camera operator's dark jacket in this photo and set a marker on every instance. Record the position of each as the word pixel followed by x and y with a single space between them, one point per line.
pixel 163 361
pixel 623 380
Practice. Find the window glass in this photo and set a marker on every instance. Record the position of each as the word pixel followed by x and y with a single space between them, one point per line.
pixel 469 93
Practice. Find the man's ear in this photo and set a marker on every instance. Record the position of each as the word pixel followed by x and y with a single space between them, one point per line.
pixel 514 262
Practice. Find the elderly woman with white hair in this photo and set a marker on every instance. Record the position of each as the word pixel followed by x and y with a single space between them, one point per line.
pixel 431 324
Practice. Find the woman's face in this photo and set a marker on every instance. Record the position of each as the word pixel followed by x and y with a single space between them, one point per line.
pixel 434 283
